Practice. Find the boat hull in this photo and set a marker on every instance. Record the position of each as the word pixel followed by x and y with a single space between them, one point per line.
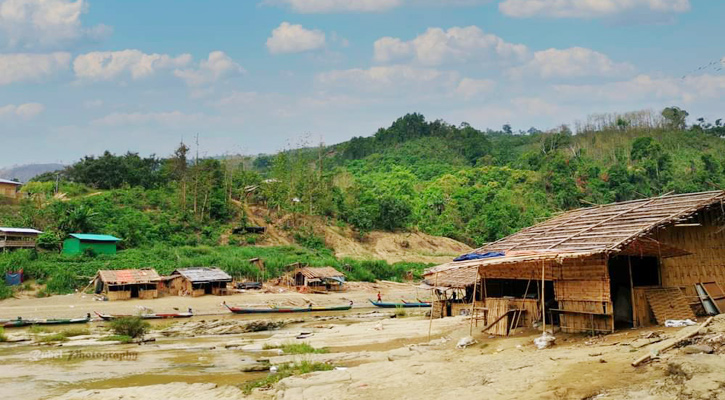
pixel 109 317
pixel 396 305
pixel 240 310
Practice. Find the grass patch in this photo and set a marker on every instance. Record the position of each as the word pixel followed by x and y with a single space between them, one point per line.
pixel 117 338
pixel 400 312
pixel 296 348
pixel 70 332
pixel 56 337
pixel 3 338
pixel 285 371
pixel 36 329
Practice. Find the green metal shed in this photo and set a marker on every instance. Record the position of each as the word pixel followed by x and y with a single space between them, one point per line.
pixel 77 243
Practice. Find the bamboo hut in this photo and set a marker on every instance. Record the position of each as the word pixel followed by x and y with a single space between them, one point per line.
pixel 600 268
pixel 198 281
pixel 317 278
pixel 124 284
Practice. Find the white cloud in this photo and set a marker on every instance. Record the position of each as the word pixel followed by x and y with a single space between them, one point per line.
pixel 24 111
pixel 45 23
pixel 331 6
pixel 469 88
pixel 575 62
pixel 587 8
pixel 217 66
pixel 437 46
pixel 31 67
pixel 170 118
pixel 109 65
pixel 288 38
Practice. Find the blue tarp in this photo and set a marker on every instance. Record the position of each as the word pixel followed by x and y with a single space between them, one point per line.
pixel 477 256
pixel 12 279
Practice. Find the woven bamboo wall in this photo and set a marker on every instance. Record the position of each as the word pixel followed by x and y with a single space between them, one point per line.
pixel 496 308
pixel 643 315
pixel 707 245
pixel 584 286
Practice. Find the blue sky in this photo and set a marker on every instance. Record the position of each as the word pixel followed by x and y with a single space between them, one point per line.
pixel 80 77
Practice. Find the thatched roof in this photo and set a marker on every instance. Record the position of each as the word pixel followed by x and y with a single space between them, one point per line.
pixel 607 228
pixel 622 228
pixel 319 272
pixel 128 276
pixel 203 274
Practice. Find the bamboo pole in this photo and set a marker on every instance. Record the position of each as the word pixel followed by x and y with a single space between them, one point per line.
pixel 473 303
pixel 430 325
pixel 631 291
pixel 523 304
pixel 543 305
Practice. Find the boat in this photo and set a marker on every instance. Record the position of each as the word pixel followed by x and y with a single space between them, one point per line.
pixel 19 322
pixel 396 305
pixel 280 310
pixel 109 317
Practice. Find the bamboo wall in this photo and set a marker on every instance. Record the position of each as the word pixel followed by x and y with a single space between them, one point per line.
pixel 707 245
pixel 583 286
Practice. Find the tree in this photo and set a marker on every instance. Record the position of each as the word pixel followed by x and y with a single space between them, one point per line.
pixel 675 117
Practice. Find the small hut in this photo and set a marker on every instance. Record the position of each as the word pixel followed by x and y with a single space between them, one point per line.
pixel 124 284
pixel 602 268
pixel 9 189
pixel 77 243
pixel 318 278
pixel 18 238
pixel 198 281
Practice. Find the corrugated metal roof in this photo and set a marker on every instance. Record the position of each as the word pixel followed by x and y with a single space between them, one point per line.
pixel 203 274
pixel 19 230
pixel 319 272
pixel 95 238
pixel 10 182
pixel 125 276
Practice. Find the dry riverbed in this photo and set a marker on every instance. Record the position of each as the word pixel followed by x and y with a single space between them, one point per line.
pixel 372 356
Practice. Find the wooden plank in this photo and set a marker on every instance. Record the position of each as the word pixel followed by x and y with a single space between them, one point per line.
pixel 716 294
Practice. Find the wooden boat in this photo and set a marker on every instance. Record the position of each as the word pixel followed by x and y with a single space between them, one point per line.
pixel 395 305
pixel 280 310
pixel 19 322
pixel 109 317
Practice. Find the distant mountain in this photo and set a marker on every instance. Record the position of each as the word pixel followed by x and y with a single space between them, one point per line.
pixel 24 173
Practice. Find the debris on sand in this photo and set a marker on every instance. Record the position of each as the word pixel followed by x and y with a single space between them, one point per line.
pixel 221 327
pixel 465 342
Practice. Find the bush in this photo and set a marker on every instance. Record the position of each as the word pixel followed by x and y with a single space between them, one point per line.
pixel 130 326
pixel 5 291
pixel 48 241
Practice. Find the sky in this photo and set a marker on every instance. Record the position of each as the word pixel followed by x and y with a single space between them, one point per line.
pixel 78 77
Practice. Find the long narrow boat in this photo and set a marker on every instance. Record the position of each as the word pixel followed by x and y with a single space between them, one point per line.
pixel 396 305
pixel 281 310
pixel 19 322
pixel 109 317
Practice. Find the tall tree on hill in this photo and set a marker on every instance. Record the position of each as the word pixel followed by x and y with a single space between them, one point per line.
pixel 179 165
pixel 675 117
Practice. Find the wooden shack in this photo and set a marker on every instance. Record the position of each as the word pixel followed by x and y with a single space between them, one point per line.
pixel 318 278
pixel 9 189
pixel 601 268
pixel 124 284
pixel 198 281
pixel 18 238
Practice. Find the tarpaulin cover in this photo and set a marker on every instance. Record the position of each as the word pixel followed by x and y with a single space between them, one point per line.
pixel 477 256
pixel 14 278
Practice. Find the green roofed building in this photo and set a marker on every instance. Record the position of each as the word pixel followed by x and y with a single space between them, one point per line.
pixel 77 243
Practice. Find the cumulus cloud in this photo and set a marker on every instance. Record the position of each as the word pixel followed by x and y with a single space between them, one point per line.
pixel 437 46
pixel 575 62
pixel 31 67
pixel 170 118
pixel 23 111
pixel 217 66
pixel 587 8
pixel 288 38
pixel 332 6
pixel 110 65
pixel 45 23
pixel 469 88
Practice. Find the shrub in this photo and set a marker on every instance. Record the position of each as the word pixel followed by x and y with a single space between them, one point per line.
pixel 3 338
pixel 130 326
pixel 48 241
pixel 5 291
pixel 400 312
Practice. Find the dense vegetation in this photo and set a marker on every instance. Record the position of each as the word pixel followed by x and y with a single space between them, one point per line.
pixel 456 181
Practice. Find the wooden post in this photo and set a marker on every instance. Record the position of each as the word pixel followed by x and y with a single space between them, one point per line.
pixel 543 304
pixel 631 287
pixel 430 325
pixel 473 303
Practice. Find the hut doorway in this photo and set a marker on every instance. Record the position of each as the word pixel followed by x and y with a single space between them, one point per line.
pixel 645 271
pixel 134 291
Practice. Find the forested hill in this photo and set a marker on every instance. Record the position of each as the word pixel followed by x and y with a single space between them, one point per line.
pixel 456 181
